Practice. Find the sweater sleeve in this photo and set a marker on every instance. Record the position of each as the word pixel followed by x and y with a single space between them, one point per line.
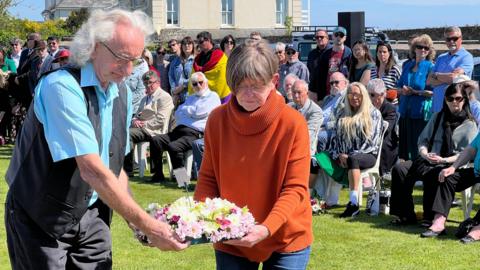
pixel 295 184
pixel 207 185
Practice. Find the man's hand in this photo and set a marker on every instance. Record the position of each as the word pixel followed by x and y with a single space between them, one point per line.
pixel 445 173
pixel 138 123
pixel 406 90
pixel 433 158
pixel 256 234
pixel 163 238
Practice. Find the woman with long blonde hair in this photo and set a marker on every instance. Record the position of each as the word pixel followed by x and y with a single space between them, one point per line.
pixel 355 141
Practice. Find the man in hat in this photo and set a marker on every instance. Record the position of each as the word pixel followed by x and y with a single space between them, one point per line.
pixel 292 66
pixel 332 60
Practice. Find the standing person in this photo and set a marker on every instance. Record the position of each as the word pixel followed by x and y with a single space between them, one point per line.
pixel 377 90
pixel 148 58
pixel 255 35
pixel 180 70
pixel 322 39
pixel 415 97
pixel 274 184
pixel 213 63
pixel 190 117
pixel 31 38
pixel 162 66
pixel 44 61
pixel 135 83
pixel 66 172
pixel 280 52
pixel 332 60
pixel 385 66
pixel 227 45
pixel 53 46
pixel 16 44
pixel 456 61
pixel 174 47
pixel 362 63
pixel 293 66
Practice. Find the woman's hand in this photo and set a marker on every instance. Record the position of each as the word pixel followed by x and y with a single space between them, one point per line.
pixel 343 160
pixel 445 173
pixel 256 234
pixel 433 158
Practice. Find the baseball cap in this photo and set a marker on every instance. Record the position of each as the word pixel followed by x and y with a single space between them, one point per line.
pixel 61 54
pixel 340 29
pixel 289 47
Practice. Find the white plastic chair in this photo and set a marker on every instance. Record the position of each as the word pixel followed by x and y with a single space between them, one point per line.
pixel 188 163
pixel 374 172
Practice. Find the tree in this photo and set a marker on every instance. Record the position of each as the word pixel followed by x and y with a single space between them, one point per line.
pixel 76 19
pixel 5 5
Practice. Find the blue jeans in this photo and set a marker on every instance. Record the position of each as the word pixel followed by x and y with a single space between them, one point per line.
pixel 292 261
pixel 197 151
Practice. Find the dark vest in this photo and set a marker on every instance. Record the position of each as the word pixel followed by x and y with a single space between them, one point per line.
pixel 53 194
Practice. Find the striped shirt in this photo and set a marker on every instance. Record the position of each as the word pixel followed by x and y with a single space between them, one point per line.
pixel 390 78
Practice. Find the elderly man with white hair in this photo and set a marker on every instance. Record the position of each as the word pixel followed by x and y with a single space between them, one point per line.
pixel 288 84
pixel 66 171
pixel 377 91
pixel 312 114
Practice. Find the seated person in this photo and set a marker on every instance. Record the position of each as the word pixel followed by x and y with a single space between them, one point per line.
pixel 377 90
pixel 312 114
pixel 443 138
pixel 153 114
pixel 355 141
pixel 191 117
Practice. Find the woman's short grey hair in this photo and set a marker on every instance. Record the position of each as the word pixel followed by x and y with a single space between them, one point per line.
pixel 100 27
pixel 198 76
pixel 280 46
pixel 252 60
pixel 376 86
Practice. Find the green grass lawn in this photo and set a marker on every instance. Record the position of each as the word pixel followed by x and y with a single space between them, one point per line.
pixel 361 243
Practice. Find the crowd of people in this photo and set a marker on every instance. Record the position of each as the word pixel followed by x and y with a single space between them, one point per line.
pixel 258 121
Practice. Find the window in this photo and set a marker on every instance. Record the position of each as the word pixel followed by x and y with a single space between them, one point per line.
pixel 281 11
pixel 227 12
pixel 172 12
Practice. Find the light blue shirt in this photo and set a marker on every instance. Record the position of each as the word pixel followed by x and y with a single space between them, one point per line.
pixel 135 83
pixel 329 104
pixel 194 112
pixel 60 105
pixel 476 144
pixel 446 63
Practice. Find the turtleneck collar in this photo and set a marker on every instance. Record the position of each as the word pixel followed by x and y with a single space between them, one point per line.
pixel 251 123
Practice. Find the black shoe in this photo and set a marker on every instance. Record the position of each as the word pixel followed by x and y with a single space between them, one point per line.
pixel 157 178
pixel 432 234
pixel 352 210
pixel 465 227
pixel 403 221
pixel 467 239
pixel 130 174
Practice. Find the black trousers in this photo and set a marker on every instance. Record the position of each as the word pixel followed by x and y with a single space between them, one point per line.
pixel 404 176
pixel 136 135
pixel 445 193
pixel 176 142
pixel 87 245
pixel 361 161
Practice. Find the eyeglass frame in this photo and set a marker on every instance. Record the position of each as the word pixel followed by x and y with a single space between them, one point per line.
pixel 135 61
pixel 149 83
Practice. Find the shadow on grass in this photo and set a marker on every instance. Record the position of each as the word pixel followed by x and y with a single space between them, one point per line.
pixel 6 151
pixel 167 184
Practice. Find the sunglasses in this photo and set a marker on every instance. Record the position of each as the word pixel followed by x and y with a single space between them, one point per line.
pixel 162 53
pixel 420 47
pixel 230 42
pixel 451 99
pixel 291 52
pixel 454 39
pixel 195 84
pixel 339 34
pixel 278 52
pixel 334 82
pixel 320 37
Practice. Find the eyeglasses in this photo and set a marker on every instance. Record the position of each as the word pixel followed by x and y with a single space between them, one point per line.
pixel 320 37
pixel 230 42
pixel 420 47
pixel 195 84
pixel 451 99
pixel 339 34
pixel 162 53
pixel 290 52
pixel 148 83
pixel 372 95
pixel 354 95
pixel 171 45
pixel 16 44
pixel 454 39
pixel 122 59
pixel 334 82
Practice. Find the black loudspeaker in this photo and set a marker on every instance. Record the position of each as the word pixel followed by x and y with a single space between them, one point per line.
pixel 354 22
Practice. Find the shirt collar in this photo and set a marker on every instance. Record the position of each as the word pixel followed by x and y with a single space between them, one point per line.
pixel 305 106
pixel 88 77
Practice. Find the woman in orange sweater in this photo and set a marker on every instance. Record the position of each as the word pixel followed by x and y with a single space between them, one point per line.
pixel 257 154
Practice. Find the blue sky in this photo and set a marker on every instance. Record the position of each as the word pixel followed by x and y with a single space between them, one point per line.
pixel 385 14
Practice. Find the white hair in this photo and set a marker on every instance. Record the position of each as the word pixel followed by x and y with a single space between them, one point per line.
pixel 197 76
pixel 303 84
pixel 288 77
pixel 280 46
pixel 376 86
pixel 100 27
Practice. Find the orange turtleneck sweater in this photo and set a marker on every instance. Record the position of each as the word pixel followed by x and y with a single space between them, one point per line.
pixel 260 159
